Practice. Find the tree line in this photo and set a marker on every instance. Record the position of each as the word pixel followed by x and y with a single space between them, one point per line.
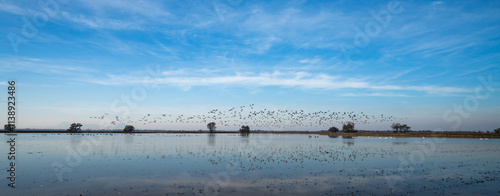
pixel 347 127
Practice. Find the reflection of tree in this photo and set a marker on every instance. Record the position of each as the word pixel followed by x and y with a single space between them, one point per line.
pixel 349 140
pixel 211 139
pixel 128 140
pixel 333 136
pixel 244 138
pixel 75 140
pixel 244 134
pixel 399 143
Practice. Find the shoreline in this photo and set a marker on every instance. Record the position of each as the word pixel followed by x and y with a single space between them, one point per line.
pixel 356 134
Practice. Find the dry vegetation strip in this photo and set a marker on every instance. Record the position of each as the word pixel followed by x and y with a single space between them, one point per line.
pixel 419 134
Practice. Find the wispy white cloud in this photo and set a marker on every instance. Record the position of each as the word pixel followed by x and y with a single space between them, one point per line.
pixel 475 71
pixel 12 9
pixel 310 60
pixel 46 66
pixel 400 74
pixel 303 80
pixel 143 8
pixel 374 95
pixel 116 15
pixel 101 23
pixel 434 3
pixel 261 45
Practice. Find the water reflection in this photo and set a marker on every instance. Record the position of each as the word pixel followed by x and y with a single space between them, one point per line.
pixel 263 164
pixel 75 139
pixel 128 138
pixel 211 139
pixel 245 134
pixel 349 140
pixel 245 138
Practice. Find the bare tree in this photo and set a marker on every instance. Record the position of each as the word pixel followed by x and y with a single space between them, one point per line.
pixel 348 127
pixel 333 129
pixel 403 128
pixel 128 128
pixel 74 127
pixel 497 131
pixel 211 127
pixel 395 127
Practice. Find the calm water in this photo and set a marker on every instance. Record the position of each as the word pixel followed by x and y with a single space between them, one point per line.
pixel 228 164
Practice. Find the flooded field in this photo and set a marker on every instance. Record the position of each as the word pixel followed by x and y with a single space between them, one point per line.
pixel 229 164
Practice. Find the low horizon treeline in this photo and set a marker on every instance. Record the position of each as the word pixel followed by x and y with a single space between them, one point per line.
pixel 347 127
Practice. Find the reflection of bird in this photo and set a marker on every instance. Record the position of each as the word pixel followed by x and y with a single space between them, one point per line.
pixel 269 119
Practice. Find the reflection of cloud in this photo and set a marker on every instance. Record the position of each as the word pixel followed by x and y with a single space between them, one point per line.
pixel 184 183
pixel 75 139
pixel 374 95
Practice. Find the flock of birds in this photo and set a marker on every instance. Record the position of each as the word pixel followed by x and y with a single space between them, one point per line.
pixel 265 119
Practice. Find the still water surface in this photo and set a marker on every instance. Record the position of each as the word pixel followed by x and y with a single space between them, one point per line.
pixel 228 164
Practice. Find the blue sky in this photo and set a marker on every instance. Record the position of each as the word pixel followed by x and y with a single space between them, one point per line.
pixel 420 61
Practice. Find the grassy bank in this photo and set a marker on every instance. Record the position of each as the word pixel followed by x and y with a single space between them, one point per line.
pixel 418 134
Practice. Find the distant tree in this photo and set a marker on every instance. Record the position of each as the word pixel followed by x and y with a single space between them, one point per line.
pixel 333 129
pixel 211 127
pixel 245 129
pixel 128 128
pixel 74 127
pixel 9 127
pixel 348 127
pixel 497 131
pixel 395 127
pixel 403 128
